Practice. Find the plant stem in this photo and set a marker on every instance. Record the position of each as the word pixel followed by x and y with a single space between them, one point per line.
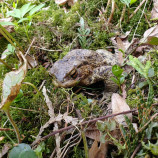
pixel 13 124
pixel 85 144
pixel 5 64
pixel 10 39
pixel 26 31
pixel 32 85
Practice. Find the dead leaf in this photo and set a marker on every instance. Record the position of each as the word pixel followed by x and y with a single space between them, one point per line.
pixel 70 119
pixel 93 133
pixel 9 28
pixel 122 42
pixel 31 60
pixel 154 12
pixel 120 54
pixel 98 152
pixel 2 138
pixel 152 32
pixel 62 2
pixel 124 93
pixel 49 103
pixel 5 149
pixel 119 105
pixel 12 83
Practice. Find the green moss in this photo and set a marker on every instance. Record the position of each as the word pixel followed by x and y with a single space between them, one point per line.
pixel 85 107
pixel 132 99
pixel 3 45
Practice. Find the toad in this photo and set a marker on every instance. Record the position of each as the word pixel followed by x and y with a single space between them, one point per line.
pixel 84 67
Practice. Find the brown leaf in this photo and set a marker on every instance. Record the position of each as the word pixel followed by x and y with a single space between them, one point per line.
pixel 31 60
pixel 93 133
pixel 119 105
pixel 62 2
pixel 5 149
pixel 122 42
pixel 98 152
pixel 120 54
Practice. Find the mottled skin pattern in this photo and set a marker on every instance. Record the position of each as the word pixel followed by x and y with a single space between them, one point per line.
pixel 84 67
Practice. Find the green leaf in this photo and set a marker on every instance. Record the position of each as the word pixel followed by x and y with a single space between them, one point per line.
pixel 35 9
pixel 111 125
pixel 6 23
pixel 10 50
pixel 101 126
pixel 15 13
pixel 143 70
pixel 115 80
pixel 40 149
pixel 150 129
pixel 152 40
pixel 133 1
pixel 19 96
pixel 22 151
pixel 127 2
pixel 116 70
pixel 122 79
pixel 102 137
pixel 23 19
pixel 25 9
pixel 82 23
pixel 142 84
pixel 151 72
pixel 152 147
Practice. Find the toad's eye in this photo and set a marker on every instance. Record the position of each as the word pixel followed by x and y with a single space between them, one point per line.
pixel 73 73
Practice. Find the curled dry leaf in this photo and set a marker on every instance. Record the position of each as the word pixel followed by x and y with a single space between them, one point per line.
pixel 12 83
pixel 119 105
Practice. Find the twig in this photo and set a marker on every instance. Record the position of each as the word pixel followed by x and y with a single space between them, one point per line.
pixel 6 129
pixel 112 11
pixel 83 123
pixel 122 16
pixel 107 6
pixel 48 49
pixel 140 18
pixel 85 143
pixel 136 150
pixel 24 109
pixel 137 9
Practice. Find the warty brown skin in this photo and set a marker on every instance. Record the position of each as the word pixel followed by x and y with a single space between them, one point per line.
pixel 84 67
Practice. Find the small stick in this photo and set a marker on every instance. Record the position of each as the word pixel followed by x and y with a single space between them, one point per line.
pixel 137 9
pixel 83 123
pixel 112 11
pixel 136 150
